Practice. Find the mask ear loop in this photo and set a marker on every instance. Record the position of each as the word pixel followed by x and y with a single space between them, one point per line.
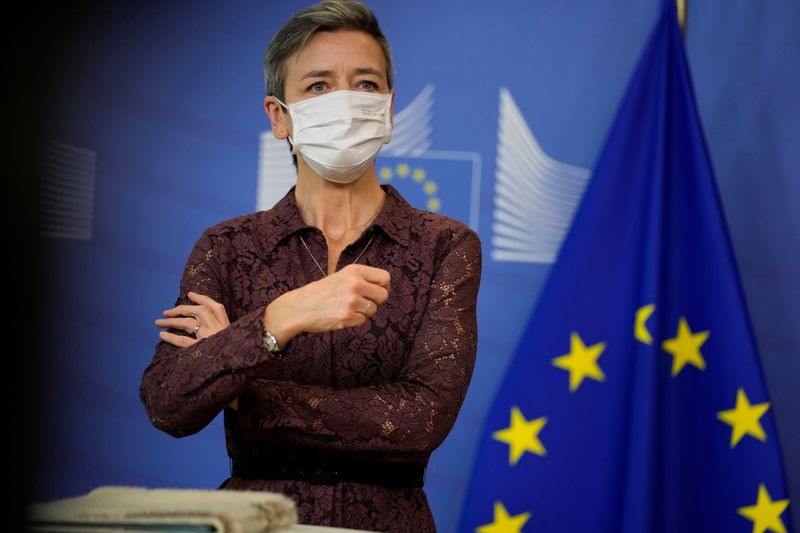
pixel 279 101
pixel 291 142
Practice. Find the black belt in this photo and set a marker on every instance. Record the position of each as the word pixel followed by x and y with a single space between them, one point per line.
pixel 372 473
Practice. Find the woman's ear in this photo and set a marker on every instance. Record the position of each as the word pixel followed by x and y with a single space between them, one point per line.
pixel 281 123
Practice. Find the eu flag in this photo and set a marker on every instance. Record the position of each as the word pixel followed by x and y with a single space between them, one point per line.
pixel 635 402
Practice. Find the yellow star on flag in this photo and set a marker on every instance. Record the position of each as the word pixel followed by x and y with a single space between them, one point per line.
pixel 581 361
pixel 765 514
pixel 685 348
pixel 521 436
pixel 744 418
pixel 503 523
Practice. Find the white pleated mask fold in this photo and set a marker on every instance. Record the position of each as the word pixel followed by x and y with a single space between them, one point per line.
pixel 340 133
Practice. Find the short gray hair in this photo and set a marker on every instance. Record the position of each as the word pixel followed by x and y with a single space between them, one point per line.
pixel 330 15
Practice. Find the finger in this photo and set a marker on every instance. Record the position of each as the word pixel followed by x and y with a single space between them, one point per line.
pixel 368 289
pixel 354 319
pixel 373 274
pixel 216 308
pixel 357 305
pixel 178 340
pixel 203 314
pixel 183 310
pixel 369 309
pixel 206 331
pixel 186 324
pixel 373 292
pixel 376 275
pixel 203 318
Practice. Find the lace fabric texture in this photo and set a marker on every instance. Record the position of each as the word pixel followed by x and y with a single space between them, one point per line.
pixel 388 390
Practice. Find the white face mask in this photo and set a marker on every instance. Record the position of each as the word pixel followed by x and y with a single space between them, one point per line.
pixel 340 133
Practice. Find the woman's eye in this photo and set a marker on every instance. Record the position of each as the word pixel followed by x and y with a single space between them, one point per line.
pixel 369 85
pixel 317 87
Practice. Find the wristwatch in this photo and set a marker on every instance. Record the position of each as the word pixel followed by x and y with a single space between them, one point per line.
pixel 271 343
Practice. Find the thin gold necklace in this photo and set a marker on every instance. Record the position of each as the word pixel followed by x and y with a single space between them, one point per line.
pixel 334 241
pixel 325 274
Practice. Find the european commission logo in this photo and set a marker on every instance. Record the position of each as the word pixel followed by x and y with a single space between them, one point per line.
pixel 439 181
pixel 535 195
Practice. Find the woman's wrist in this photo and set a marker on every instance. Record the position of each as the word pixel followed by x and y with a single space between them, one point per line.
pixel 279 322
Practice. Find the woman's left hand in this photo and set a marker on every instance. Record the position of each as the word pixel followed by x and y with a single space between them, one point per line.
pixel 202 320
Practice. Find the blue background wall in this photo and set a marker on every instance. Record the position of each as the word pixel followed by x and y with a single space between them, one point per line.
pixel 167 99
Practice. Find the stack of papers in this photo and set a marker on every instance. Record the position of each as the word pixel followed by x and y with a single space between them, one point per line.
pixel 114 509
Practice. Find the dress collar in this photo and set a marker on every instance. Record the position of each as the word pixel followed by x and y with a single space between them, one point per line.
pixel 394 218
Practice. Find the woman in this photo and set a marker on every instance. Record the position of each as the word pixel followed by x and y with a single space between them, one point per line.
pixel 337 330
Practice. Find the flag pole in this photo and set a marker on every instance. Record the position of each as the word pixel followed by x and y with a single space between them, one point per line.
pixel 682 15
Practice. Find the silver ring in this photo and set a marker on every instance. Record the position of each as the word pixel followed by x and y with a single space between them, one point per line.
pixel 366 310
pixel 197 328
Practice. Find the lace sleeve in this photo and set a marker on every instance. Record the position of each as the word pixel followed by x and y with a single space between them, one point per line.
pixel 183 389
pixel 410 416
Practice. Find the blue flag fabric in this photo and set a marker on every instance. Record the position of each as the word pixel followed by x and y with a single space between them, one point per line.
pixel 635 402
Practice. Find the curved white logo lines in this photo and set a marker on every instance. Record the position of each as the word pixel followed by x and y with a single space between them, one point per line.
pixel 411 134
pixel 535 195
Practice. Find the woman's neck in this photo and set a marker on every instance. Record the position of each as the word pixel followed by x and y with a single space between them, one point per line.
pixel 339 210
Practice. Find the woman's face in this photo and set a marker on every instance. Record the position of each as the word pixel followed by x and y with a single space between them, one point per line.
pixel 330 61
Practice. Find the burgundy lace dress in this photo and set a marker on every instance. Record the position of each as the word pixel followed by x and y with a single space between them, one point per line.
pixel 385 392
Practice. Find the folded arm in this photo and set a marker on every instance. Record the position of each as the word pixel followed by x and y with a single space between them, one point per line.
pixel 184 388
pixel 410 416
pixel 190 381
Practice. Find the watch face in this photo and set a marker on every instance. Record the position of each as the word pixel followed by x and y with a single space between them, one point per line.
pixel 270 342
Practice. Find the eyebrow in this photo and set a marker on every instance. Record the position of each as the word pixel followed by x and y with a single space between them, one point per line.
pixel 329 73
pixel 368 70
